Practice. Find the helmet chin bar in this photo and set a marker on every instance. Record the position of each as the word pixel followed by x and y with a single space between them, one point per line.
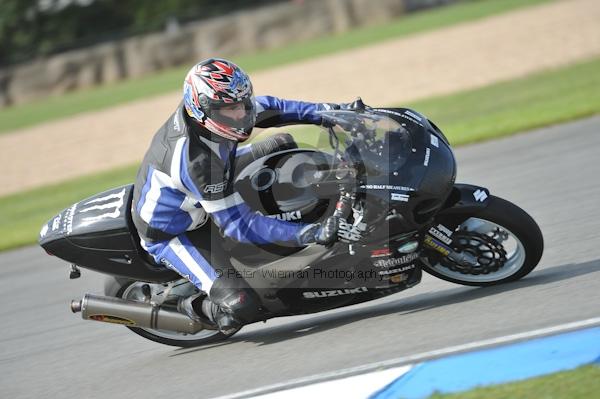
pixel 226 131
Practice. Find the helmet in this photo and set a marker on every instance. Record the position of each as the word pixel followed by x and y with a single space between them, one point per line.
pixel 218 95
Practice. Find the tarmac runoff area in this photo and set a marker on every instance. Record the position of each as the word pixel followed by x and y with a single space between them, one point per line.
pixel 443 61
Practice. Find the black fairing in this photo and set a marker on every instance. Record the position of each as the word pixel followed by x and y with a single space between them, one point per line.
pixel 465 201
pixel 413 182
pixel 97 233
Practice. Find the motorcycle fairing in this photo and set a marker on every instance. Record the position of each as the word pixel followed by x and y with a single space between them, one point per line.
pixel 98 234
pixel 465 199
pixel 286 283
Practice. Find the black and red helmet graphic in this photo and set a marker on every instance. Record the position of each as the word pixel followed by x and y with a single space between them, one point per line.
pixel 228 82
pixel 215 83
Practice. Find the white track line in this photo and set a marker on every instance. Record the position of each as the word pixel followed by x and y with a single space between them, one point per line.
pixel 414 358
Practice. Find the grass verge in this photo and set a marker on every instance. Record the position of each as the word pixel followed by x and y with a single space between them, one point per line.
pixel 505 108
pixel 498 110
pixel 22 214
pixel 581 383
pixel 53 108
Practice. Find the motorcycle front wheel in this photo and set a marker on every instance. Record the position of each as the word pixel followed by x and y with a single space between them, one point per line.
pixel 503 242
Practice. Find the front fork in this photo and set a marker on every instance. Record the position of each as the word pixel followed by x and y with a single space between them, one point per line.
pixel 439 239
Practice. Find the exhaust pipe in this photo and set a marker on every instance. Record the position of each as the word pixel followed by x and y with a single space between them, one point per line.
pixel 133 314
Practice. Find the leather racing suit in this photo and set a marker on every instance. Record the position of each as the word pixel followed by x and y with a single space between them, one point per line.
pixel 187 178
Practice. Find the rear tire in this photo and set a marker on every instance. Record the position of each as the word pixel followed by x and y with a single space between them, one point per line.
pixel 529 245
pixel 118 287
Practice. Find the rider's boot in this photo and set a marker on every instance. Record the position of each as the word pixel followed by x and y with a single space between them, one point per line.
pixel 192 308
pixel 227 308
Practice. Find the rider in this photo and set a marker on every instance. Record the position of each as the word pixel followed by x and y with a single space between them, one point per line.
pixel 187 175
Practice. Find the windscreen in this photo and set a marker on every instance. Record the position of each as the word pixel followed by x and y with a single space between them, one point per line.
pixel 374 142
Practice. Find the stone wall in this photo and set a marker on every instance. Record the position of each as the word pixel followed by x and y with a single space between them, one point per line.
pixel 240 32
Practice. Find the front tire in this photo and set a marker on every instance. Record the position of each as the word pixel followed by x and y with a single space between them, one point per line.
pixel 131 289
pixel 502 227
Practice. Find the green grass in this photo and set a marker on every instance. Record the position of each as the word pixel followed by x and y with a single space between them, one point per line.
pixel 581 383
pixel 109 95
pixel 498 110
pixel 23 214
pixel 501 109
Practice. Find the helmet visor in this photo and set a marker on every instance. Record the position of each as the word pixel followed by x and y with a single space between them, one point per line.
pixel 238 115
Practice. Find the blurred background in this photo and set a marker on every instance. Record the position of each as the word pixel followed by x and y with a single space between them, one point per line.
pixel 55 46
pixel 84 84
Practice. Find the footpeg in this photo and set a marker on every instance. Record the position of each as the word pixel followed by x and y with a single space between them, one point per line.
pixel 75 272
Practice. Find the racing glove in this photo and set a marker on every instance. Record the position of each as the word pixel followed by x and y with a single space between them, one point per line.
pixel 324 233
pixel 356 105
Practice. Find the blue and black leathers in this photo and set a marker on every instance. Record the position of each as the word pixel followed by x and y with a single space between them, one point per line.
pixel 186 178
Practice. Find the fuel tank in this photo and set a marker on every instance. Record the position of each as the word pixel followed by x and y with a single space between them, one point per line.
pixel 289 185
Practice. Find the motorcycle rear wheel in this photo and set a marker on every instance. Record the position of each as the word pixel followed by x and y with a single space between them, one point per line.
pixel 131 289
pixel 500 225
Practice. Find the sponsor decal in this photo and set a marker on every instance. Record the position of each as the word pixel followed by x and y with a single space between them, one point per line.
pixel 400 197
pixel 412 117
pixel 399 278
pixel 112 319
pixel 386 187
pixel 68 220
pixel 396 261
pixel 417 117
pixel 408 247
pixel 480 195
pixel 431 243
pixel 394 271
pixel 378 253
pixel 440 236
pixel 287 216
pixel 348 232
pixel 56 223
pixel 110 206
pixel 444 229
pixel 387 111
pixel 44 231
pixel 324 294
pixel 435 141
pixel 427 155
pixel 215 188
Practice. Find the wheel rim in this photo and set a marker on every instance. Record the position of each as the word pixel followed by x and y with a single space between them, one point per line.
pixel 513 247
pixel 158 292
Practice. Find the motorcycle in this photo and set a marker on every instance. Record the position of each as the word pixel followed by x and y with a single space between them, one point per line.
pixel 388 173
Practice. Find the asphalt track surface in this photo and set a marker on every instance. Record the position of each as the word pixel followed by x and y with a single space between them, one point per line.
pixel 553 173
